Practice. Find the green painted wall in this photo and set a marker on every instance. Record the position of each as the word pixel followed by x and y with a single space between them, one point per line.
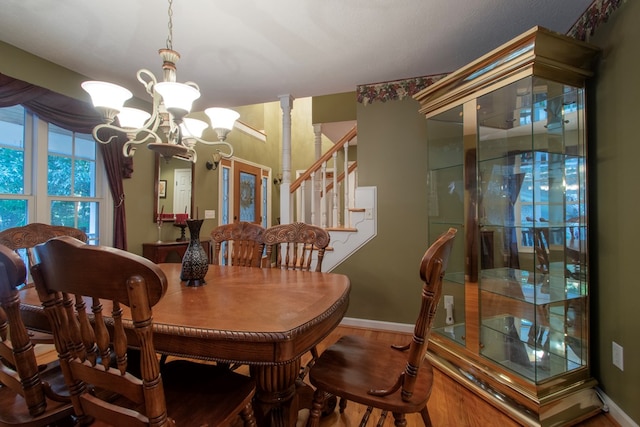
pixel 614 154
pixel 392 155
pixel 338 107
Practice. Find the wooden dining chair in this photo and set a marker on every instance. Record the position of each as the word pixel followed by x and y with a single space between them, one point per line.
pixel 28 396
pixel 30 235
pixel 127 286
pixel 239 243
pixel 298 246
pixel 25 238
pixel 396 379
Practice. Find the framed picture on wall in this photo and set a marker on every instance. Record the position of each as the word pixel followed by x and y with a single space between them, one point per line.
pixel 162 189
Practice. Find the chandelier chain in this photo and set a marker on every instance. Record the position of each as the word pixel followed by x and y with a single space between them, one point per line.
pixel 170 26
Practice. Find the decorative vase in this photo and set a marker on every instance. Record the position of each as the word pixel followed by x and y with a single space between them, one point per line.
pixel 195 261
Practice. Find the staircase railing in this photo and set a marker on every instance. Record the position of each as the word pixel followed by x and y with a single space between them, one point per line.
pixel 325 190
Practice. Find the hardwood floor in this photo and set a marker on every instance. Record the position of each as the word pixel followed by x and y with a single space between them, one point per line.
pixel 450 405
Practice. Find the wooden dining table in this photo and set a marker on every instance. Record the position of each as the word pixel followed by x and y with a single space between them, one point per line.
pixel 265 318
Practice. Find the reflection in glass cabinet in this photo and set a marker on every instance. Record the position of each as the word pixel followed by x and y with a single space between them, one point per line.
pixel 507 164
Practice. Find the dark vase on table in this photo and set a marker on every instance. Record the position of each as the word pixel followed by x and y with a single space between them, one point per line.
pixel 195 261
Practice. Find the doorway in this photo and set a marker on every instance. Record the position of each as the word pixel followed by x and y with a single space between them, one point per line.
pixel 244 192
pixel 182 191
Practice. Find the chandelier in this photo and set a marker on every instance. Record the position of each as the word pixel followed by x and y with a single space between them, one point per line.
pixel 166 130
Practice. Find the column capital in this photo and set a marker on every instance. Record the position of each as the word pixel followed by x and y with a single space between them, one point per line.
pixel 286 101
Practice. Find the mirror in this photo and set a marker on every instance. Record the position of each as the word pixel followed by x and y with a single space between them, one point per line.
pixel 173 187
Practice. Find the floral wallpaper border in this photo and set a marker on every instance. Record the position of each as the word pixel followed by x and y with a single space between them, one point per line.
pixel 595 15
pixel 394 90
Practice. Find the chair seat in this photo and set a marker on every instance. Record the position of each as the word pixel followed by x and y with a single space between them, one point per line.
pixel 14 411
pixel 354 365
pixel 199 394
pixel 189 386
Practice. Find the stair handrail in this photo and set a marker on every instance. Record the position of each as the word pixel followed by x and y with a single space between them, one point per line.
pixel 353 166
pixel 325 157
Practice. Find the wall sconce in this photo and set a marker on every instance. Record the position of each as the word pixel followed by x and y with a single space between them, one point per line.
pixel 277 180
pixel 215 161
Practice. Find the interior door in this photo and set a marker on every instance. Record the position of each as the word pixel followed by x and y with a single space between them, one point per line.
pixel 182 191
pixel 247 193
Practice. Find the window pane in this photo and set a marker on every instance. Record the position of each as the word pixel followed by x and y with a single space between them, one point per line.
pixel 248 184
pixel 11 171
pixel 12 126
pixel 84 171
pixel 59 173
pixel 60 140
pixel 63 213
pixel 13 213
pixel 12 150
pixel 81 215
pixel 85 146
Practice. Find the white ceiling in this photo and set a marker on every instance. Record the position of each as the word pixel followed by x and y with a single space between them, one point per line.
pixel 242 52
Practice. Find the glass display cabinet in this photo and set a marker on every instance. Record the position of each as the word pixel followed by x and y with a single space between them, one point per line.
pixel 507 168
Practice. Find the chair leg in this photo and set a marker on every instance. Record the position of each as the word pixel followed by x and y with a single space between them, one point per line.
pixel 343 404
pixel 400 419
pixel 248 417
pixel 316 408
pixel 426 419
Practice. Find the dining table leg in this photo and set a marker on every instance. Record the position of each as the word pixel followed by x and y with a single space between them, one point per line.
pixel 276 403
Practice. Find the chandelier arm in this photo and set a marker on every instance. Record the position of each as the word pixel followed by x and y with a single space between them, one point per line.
pixel 151 135
pixel 128 150
pixel 225 143
pixel 129 147
pixel 194 154
pixel 104 126
pixel 149 82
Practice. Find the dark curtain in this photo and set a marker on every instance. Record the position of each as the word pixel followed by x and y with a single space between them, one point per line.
pixel 75 116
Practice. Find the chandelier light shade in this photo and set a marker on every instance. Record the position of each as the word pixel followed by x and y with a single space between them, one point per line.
pixel 132 118
pixel 177 97
pixel 193 127
pixel 222 120
pixel 166 130
pixel 107 97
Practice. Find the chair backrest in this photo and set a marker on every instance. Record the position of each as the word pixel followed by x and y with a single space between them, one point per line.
pixel 296 244
pixel 432 269
pixel 541 247
pixel 243 244
pixel 18 366
pixel 70 273
pixel 30 235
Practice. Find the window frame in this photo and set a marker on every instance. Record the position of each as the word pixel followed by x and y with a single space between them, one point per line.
pixel 39 202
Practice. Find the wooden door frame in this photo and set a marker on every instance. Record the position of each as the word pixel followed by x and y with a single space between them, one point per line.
pixel 235 166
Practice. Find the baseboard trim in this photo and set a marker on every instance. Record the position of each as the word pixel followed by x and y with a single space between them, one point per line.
pixel 614 410
pixel 377 324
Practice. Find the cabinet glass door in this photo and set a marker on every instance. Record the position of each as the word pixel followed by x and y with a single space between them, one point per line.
pixel 446 209
pixel 532 202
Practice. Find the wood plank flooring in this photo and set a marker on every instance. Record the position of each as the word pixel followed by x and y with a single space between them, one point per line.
pixel 450 405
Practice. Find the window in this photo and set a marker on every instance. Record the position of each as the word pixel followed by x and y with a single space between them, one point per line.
pixel 65 187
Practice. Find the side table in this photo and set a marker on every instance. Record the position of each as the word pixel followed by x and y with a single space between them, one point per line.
pixel 158 252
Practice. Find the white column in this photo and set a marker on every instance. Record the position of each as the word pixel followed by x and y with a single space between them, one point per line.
pixel 286 104
pixel 316 178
